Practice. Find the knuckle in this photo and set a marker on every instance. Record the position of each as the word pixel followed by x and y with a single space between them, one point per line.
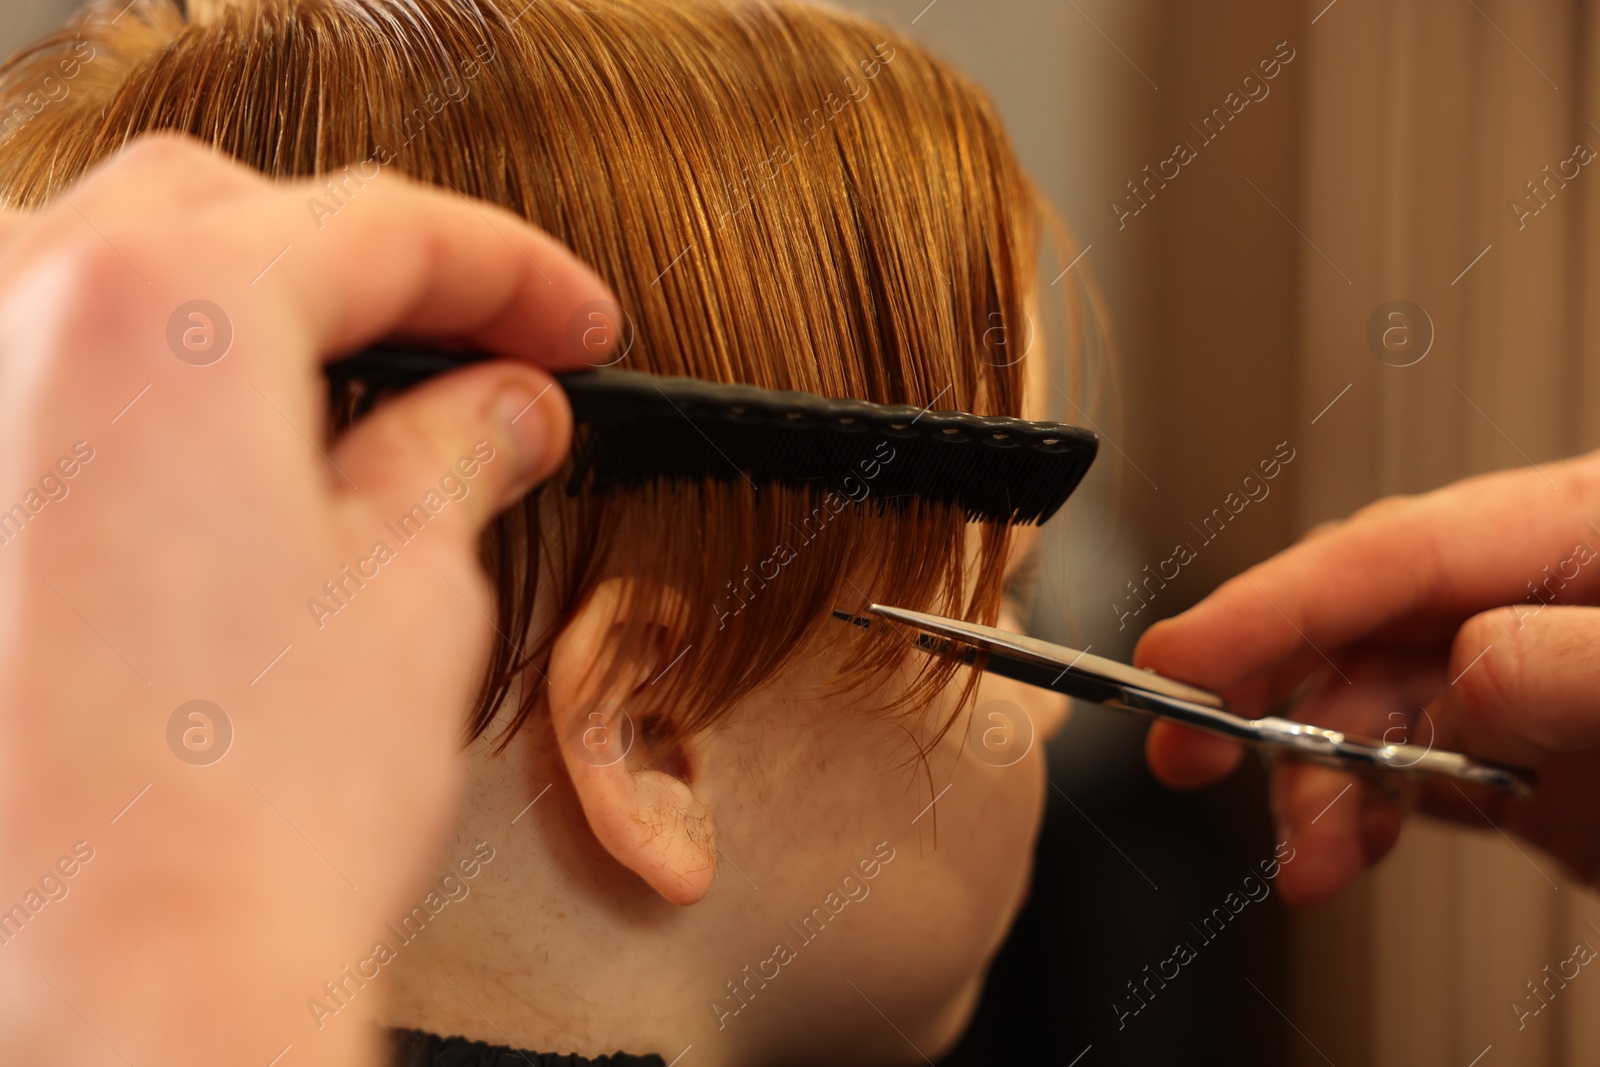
pixel 1407 524
pixel 92 277
pixel 93 300
pixel 1484 663
pixel 1579 478
pixel 163 150
pixel 1321 529
pixel 400 431
pixel 1385 508
pixel 189 168
pixel 108 288
pixel 387 188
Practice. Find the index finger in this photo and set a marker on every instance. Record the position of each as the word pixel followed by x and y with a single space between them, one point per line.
pixel 365 254
pixel 1454 552
pixel 406 258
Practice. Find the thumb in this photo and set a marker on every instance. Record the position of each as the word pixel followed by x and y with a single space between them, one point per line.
pixel 457 450
pixel 1523 684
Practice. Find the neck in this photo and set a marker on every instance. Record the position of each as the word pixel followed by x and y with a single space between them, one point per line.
pixel 550 945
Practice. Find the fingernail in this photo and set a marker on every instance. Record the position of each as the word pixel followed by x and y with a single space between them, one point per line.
pixel 522 426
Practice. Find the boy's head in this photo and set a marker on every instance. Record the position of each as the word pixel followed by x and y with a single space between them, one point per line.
pixel 780 194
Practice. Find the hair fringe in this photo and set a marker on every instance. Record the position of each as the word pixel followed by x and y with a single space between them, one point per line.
pixel 780 193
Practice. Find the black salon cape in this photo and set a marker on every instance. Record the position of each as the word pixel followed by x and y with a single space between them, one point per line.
pixel 415 1048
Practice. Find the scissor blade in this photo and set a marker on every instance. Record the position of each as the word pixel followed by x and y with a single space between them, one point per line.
pixel 1031 650
pixel 1030 670
pixel 1103 681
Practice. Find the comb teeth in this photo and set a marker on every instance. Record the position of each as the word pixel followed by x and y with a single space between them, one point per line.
pixel 642 428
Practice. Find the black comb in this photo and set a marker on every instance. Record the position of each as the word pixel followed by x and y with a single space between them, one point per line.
pixel 644 427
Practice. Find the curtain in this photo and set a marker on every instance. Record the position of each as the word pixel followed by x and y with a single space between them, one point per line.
pixel 1441 146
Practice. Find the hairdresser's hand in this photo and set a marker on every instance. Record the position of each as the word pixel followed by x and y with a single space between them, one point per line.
pixel 176 521
pixel 1396 621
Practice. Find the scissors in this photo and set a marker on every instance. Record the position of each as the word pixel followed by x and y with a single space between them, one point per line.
pixel 1117 685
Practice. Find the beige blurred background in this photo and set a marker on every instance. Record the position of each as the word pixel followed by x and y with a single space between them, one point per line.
pixel 1380 166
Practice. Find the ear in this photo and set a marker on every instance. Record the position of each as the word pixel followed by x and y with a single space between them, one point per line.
pixel 641 805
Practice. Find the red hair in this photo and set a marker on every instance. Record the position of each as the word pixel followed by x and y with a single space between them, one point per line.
pixel 780 193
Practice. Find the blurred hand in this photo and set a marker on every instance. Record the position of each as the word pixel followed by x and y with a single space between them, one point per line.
pixel 179 513
pixel 1394 624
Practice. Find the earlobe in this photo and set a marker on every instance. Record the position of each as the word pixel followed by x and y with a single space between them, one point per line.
pixel 650 820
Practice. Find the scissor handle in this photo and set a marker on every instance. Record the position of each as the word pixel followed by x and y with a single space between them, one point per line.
pixel 1331 747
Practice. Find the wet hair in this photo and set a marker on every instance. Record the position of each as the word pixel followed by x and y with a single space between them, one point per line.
pixel 780 193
